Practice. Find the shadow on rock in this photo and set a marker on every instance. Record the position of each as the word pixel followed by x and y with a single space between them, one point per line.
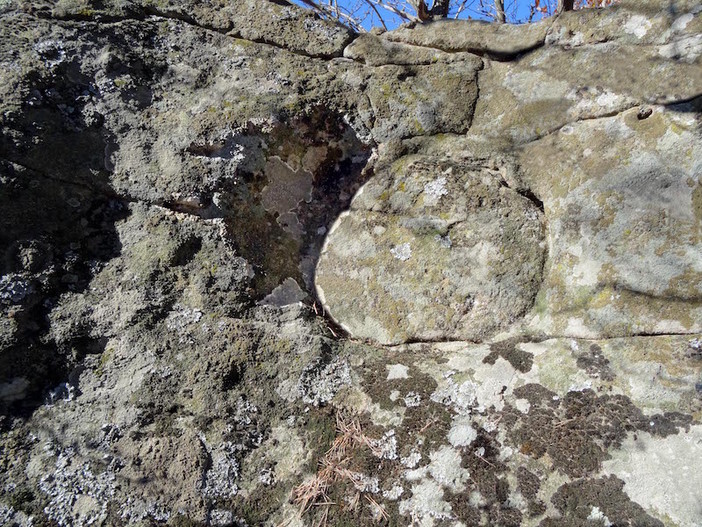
pixel 295 178
pixel 56 230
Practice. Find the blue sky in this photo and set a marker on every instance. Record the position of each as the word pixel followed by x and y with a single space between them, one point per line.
pixel 517 11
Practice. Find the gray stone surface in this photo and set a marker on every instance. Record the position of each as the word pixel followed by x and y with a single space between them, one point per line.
pixel 625 233
pixel 375 50
pixel 475 36
pixel 432 250
pixel 170 173
pixel 563 81
pixel 276 23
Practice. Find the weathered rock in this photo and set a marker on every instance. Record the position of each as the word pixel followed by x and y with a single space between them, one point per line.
pixel 278 23
pixel 578 421
pixel 675 23
pixel 553 86
pixel 432 250
pixel 408 101
pixel 375 50
pixel 476 36
pixel 622 201
pixel 169 172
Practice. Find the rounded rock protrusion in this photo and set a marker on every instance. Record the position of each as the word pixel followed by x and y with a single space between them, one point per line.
pixel 432 250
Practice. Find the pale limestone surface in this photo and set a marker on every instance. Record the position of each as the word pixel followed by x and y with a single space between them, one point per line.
pixel 622 195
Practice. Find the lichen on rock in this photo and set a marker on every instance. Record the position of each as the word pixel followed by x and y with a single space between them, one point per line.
pixel 256 269
pixel 387 274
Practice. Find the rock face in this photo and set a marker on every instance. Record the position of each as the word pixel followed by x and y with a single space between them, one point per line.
pixel 625 236
pixel 617 179
pixel 433 250
pixel 258 270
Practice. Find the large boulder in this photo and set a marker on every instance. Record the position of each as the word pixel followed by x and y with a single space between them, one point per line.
pixel 622 196
pixel 433 250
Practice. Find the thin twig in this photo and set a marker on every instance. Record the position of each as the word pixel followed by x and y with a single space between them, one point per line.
pixel 402 14
pixel 377 13
pixel 460 8
pixel 377 506
pixel 563 423
pixel 427 425
pixel 486 461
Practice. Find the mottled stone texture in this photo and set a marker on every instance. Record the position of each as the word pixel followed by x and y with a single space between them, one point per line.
pixel 610 154
pixel 433 250
pixel 258 270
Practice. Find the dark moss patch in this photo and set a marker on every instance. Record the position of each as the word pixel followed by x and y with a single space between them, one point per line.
pixel 24 497
pixel 595 363
pixel 507 349
pixel 488 477
pixel 504 516
pixel 577 430
pixel 529 485
pixel 260 506
pixel 379 388
pixel 428 422
pixel 319 426
pixel 343 514
pixel 464 511
pixel 576 500
pixel 486 471
pixel 537 395
pixel 667 424
pixel 42 520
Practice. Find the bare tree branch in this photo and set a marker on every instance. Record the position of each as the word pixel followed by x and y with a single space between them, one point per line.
pixel 377 13
pixel 500 11
pixel 328 11
pixel 402 14
pixel 440 8
pixel 359 13
pixel 565 5
pixel 460 8
pixel 421 8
